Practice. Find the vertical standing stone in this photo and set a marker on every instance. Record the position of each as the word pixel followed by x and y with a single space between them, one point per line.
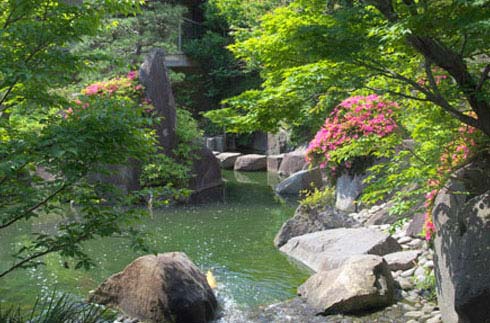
pixel 461 216
pixel 154 76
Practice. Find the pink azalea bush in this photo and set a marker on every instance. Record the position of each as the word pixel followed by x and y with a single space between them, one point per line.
pixel 355 118
pixel 125 87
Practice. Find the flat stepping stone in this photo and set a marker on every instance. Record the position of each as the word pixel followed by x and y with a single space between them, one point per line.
pixel 402 260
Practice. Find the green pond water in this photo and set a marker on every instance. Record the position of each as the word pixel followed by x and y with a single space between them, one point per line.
pixel 232 238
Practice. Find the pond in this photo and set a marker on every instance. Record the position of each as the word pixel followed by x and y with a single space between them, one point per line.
pixel 233 239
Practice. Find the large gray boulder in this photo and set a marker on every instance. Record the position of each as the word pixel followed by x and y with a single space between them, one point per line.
pixel 461 216
pixel 153 75
pixel 308 220
pixel 347 190
pixel 303 180
pixel 163 288
pixel 206 182
pixel 329 249
pixel 363 282
pixel 293 162
pixel 251 162
pixel 227 160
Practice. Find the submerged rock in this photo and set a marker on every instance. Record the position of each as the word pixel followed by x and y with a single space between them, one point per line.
pixel 251 162
pixel 363 282
pixel 308 220
pixel 163 288
pixel 329 249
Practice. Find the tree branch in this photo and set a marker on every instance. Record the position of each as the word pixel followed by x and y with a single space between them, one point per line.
pixel 26 260
pixel 406 96
pixel 34 207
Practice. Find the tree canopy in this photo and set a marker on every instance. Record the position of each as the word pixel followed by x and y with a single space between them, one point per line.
pixel 430 57
pixel 402 48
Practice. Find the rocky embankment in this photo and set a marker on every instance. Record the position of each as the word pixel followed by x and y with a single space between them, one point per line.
pixel 362 272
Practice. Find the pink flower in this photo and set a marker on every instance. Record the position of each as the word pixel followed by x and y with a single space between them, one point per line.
pixel 138 87
pixel 92 89
pixel 132 75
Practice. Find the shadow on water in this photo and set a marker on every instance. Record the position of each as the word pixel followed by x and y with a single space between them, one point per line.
pixel 232 238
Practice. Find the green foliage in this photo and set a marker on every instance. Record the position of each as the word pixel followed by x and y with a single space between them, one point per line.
pixel 220 75
pixel 241 14
pixel 319 198
pixel 169 176
pixel 58 308
pixel 50 151
pixel 424 55
pixel 359 46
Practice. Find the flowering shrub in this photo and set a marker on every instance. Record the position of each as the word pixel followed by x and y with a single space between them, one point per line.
pixel 126 88
pixel 455 155
pixel 356 119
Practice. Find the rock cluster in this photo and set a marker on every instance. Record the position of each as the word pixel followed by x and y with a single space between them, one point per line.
pixel 357 269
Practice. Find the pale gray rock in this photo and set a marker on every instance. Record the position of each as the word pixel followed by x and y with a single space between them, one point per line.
pixel 402 260
pixel 277 143
pixel 347 191
pixel 251 162
pixel 293 162
pixel 363 282
pixel 329 249
pixel 274 162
